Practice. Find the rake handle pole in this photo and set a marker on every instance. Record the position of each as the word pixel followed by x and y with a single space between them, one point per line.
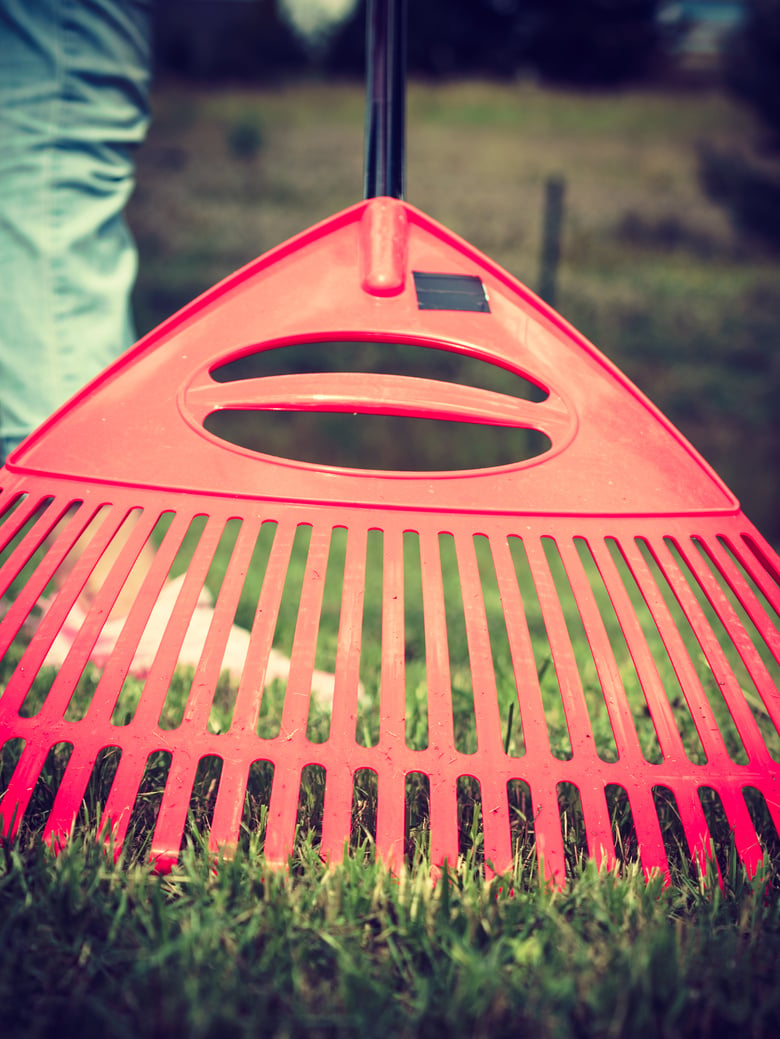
pixel 385 98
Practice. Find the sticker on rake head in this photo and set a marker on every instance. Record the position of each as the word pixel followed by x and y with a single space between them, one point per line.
pixel 392 406
pixel 450 292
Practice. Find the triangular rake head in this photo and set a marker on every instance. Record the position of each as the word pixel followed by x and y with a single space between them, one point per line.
pixel 573 650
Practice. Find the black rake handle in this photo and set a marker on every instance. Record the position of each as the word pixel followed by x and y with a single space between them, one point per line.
pixel 384 164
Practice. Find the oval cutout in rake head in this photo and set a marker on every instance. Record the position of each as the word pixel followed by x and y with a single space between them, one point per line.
pixel 353 402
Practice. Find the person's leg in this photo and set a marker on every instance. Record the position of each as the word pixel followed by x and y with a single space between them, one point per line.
pixel 74 79
pixel 74 82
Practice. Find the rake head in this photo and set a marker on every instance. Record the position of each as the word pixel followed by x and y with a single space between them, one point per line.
pixel 580 642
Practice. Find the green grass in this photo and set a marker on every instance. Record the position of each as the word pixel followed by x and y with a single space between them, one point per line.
pixel 91 948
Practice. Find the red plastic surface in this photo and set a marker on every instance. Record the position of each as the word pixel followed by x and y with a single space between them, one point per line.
pixel 618 483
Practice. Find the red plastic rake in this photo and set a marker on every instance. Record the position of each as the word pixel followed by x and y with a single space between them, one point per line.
pixel 615 555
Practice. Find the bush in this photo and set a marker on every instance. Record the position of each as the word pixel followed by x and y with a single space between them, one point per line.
pixel 747 185
pixel 752 63
pixel 595 42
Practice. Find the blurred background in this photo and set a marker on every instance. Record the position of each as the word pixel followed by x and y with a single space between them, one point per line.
pixel 621 157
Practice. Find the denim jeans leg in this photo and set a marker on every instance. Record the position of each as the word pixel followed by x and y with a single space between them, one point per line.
pixel 74 85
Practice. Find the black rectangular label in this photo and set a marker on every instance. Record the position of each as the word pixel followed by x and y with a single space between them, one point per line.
pixel 450 292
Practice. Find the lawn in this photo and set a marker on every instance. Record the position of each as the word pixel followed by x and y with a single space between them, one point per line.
pixel 653 273
pixel 91 948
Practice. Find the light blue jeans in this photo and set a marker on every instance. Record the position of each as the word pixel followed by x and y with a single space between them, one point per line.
pixel 74 85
